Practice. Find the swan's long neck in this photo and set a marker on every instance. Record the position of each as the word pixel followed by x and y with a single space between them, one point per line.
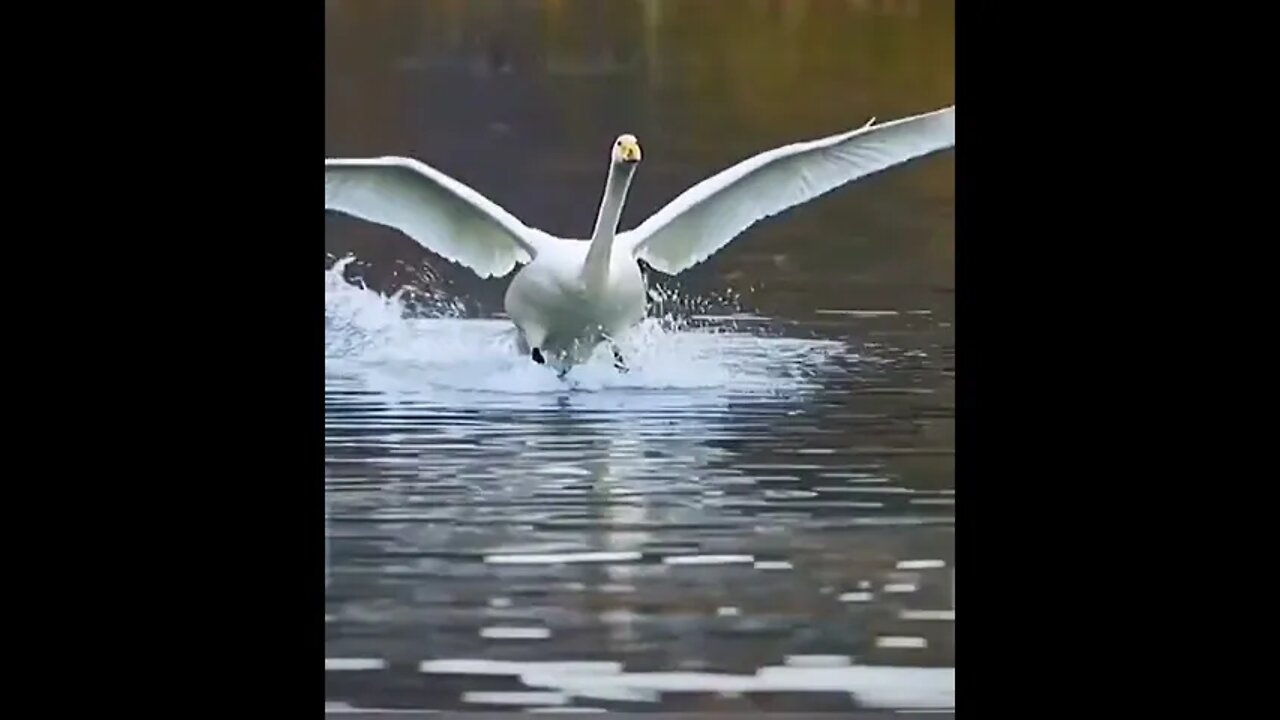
pixel 596 268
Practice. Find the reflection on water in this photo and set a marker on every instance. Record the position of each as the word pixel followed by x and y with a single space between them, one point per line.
pixel 761 513
pixel 697 520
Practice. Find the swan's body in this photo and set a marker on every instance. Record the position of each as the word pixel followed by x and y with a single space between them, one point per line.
pixel 562 314
pixel 574 294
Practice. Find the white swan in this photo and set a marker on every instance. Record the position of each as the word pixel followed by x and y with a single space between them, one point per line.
pixel 574 294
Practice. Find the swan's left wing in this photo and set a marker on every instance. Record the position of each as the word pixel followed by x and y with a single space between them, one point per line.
pixel 442 214
pixel 708 215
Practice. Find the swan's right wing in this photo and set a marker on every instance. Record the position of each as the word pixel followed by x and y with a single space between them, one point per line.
pixel 704 218
pixel 443 215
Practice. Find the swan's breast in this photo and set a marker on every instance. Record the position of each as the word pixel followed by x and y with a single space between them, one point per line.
pixel 550 293
pixel 549 287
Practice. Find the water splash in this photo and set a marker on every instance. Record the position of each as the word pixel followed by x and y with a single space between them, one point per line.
pixel 390 344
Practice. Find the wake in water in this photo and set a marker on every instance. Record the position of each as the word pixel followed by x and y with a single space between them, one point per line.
pixel 377 343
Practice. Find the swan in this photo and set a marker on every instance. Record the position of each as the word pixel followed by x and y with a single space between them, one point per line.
pixel 574 294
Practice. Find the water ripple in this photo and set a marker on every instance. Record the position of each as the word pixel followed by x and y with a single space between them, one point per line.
pixel 741 497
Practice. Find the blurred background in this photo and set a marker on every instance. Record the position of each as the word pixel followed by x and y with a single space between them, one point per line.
pixel 772 528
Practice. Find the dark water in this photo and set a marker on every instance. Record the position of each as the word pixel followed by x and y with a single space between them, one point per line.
pixel 761 514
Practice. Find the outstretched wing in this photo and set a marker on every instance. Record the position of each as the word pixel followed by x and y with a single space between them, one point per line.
pixel 440 213
pixel 704 218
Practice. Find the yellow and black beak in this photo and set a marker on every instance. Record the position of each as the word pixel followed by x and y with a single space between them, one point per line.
pixel 630 151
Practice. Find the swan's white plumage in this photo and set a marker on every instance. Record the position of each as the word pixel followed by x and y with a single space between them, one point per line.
pixel 574 293
pixel 440 213
pixel 704 218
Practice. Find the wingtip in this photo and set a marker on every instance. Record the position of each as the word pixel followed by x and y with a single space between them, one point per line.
pixel 371 160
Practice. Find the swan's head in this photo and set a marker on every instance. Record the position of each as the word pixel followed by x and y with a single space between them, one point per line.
pixel 626 150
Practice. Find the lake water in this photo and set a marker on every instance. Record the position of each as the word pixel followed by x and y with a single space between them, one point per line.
pixel 761 514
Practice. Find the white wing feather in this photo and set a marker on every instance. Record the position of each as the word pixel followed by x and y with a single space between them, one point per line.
pixel 704 218
pixel 440 213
